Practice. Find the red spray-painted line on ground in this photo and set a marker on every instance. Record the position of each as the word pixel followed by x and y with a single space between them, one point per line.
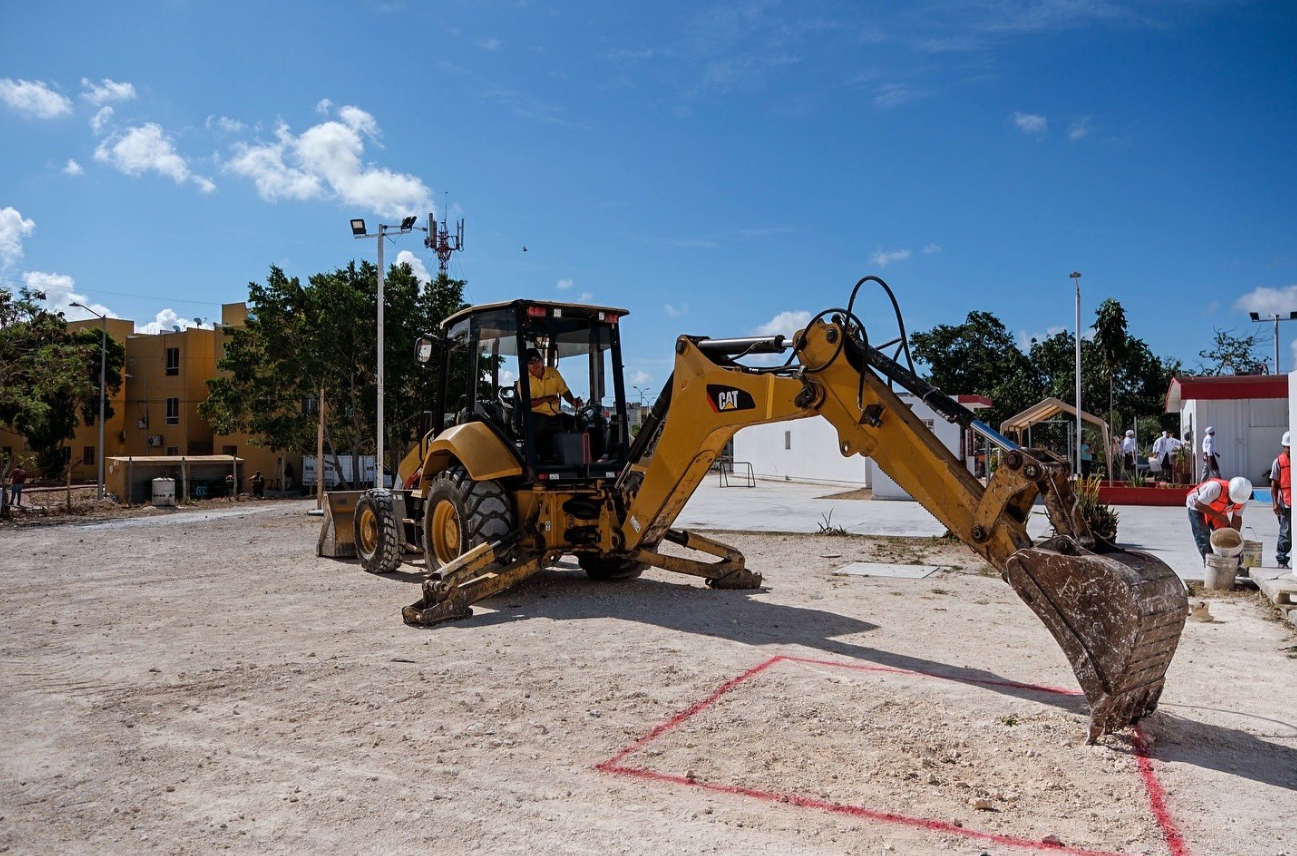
pixel 856 811
pixel 1157 798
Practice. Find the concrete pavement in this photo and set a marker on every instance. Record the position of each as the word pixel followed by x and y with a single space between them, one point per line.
pixel 774 506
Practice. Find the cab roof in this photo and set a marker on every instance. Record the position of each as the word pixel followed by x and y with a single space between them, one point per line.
pixel 522 305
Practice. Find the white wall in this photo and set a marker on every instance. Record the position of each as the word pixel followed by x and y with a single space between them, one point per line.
pixel 1247 432
pixel 807 450
pixel 811 455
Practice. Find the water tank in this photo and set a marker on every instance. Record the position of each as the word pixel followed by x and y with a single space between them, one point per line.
pixel 164 492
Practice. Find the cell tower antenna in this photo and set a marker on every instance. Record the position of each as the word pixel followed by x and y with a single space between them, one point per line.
pixel 440 240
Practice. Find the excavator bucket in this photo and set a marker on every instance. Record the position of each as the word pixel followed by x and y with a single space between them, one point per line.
pixel 337 533
pixel 1117 616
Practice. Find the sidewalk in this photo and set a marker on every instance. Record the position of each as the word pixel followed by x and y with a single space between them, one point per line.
pixel 774 506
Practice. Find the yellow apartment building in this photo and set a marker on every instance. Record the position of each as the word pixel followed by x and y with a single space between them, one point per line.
pixel 155 413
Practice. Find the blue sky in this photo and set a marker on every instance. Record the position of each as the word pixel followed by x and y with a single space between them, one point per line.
pixel 716 168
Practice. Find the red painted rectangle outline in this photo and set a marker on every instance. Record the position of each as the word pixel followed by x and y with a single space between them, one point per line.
pixel 1175 842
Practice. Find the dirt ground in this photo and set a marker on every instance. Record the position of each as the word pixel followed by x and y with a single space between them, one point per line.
pixel 198 681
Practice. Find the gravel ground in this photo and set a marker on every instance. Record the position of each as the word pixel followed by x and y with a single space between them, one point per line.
pixel 190 682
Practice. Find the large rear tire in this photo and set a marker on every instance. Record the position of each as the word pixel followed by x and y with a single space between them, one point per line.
pixel 461 514
pixel 608 568
pixel 378 542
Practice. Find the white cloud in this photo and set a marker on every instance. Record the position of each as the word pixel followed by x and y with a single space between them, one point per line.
pixel 1030 123
pixel 883 258
pixel 167 320
pixel 583 297
pixel 34 98
pixel 323 106
pixel 786 323
pixel 1269 301
pixel 148 149
pixel 489 44
pixel 59 295
pixel 1024 337
pixel 13 228
pixel 106 90
pixel 896 94
pixel 564 284
pixel 327 159
pixel 1079 129
pixel 931 249
pixel 641 378
pixel 101 119
pixel 405 257
pixel 676 311
pixel 225 124
pixel 73 168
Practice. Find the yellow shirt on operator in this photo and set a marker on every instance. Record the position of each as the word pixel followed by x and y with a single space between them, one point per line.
pixel 549 383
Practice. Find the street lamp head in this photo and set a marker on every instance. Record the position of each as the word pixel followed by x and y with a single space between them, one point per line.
pixel 358 228
pixel 1075 274
pixel 1255 316
pixel 408 223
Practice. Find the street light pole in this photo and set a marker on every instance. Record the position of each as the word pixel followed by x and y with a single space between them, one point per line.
pixel 1276 317
pixel 358 231
pixel 103 370
pixel 1076 278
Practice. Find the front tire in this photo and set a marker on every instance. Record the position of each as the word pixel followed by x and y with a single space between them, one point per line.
pixel 378 542
pixel 461 514
pixel 608 568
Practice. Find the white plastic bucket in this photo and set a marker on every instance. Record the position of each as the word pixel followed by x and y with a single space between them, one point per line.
pixel 1251 551
pixel 1219 572
pixel 1227 543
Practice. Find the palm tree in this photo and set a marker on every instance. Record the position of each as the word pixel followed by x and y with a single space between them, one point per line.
pixel 1111 339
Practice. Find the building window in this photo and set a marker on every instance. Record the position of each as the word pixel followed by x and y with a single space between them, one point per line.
pixel 172 451
pixel 232 451
pixel 788 439
pixel 88 456
pixel 173 411
pixel 173 361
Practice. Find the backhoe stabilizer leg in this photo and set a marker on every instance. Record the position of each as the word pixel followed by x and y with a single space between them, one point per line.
pixel 473 576
pixel 729 573
pixel 1117 616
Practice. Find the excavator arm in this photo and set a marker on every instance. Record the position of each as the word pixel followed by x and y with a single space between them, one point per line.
pixel 1117 615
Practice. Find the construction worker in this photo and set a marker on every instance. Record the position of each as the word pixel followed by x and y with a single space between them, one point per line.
pixel 1216 504
pixel 1210 460
pixel 1281 499
pixel 1128 448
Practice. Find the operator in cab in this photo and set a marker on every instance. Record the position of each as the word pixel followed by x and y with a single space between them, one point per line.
pixel 547 388
pixel 1216 504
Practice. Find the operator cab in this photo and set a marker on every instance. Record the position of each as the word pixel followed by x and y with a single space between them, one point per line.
pixel 579 347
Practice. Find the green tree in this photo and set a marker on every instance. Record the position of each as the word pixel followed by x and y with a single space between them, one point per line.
pixel 980 356
pixel 301 339
pixel 1112 342
pixel 1231 354
pixel 49 376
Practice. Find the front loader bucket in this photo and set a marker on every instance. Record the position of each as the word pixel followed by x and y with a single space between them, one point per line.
pixel 1117 616
pixel 337 533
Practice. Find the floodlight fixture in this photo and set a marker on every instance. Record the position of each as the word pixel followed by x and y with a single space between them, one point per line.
pixel 358 228
pixel 1255 316
pixel 408 223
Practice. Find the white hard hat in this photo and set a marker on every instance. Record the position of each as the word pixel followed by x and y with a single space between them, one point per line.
pixel 1240 490
pixel 1130 433
pixel 1211 430
pixel 1286 438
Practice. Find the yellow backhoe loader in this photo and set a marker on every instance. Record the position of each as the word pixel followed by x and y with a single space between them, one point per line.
pixel 497 490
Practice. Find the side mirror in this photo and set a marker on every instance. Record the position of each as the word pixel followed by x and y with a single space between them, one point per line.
pixel 423 350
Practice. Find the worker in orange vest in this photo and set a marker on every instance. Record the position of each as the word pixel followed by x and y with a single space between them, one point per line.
pixel 1216 504
pixel 1281 499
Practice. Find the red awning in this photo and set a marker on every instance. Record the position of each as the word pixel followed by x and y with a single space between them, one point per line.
pixel 1222 388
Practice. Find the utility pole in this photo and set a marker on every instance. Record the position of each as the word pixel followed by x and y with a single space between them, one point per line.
pixel 1076 278
pixel 103 364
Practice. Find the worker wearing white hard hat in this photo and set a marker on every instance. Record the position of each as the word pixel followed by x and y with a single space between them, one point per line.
pixel 1128 449
pixel 1210 460
pixel 1281 499
pixel 1216 504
